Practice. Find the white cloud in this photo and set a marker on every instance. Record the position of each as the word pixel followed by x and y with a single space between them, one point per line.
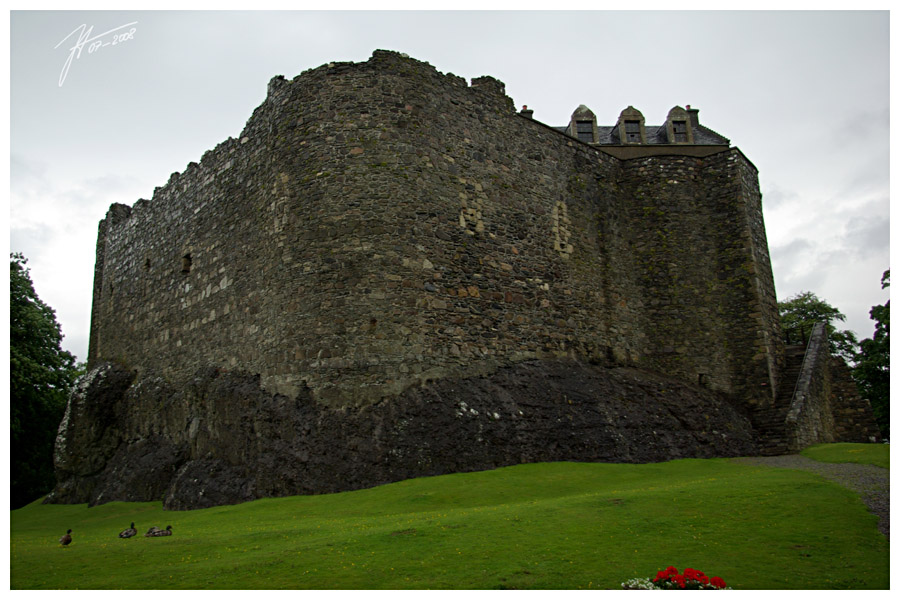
pixel 55 227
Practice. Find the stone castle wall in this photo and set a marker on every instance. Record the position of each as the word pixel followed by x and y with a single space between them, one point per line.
pixel 826 406
pixel 854 420
pixel 378 225
pixel 810 418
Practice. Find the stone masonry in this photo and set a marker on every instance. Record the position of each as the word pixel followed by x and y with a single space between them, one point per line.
pixel 378 225
pixel 381 228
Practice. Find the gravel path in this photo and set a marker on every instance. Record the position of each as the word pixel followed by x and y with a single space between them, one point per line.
pixel 870 482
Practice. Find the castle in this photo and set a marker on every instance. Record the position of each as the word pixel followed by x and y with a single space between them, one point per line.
pixel 386 247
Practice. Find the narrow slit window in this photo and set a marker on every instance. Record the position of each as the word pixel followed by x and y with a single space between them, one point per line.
pixel 186 264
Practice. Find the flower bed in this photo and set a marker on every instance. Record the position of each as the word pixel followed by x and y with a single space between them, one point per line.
pixel 671 579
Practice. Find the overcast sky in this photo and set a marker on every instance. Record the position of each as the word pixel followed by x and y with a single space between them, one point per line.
pixel 804 95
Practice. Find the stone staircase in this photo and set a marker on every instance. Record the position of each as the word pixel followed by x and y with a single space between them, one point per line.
pixel 772 436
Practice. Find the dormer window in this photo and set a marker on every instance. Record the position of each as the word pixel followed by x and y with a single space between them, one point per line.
pixel 678 127
pixel 585 131
pixel 633 132
pixel 583 125
pixel 630 127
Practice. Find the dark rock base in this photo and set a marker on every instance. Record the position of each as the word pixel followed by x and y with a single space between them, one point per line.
pixel 220 439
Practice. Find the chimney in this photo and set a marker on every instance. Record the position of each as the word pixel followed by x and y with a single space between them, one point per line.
pixel 525 112
pixel 693 113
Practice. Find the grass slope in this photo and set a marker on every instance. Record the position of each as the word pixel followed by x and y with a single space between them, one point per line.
pixel 864 454
pixel 536 526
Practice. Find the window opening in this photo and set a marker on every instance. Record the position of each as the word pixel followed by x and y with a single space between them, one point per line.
pixel 585 130
pixel 633 131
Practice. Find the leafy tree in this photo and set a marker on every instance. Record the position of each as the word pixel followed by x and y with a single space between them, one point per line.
pixel 801 312
pixel 40 376
pixel 873 371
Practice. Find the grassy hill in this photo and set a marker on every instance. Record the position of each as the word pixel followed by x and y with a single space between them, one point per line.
pixel 534 526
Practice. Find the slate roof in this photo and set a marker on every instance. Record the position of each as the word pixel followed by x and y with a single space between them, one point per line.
pixel 656 134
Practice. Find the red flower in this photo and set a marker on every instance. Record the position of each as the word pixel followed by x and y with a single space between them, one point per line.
pixel 693 574
pixel 691 578
pixel 666 575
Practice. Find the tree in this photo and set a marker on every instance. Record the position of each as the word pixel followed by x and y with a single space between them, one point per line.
pixel 873 370
pixel 801 312
pixel 40 376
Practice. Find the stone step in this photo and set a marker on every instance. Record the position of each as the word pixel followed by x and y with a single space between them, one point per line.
pixel 772 436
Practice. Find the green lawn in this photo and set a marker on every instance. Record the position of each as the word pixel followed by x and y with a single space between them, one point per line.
pixel 536 526
pixel 867 454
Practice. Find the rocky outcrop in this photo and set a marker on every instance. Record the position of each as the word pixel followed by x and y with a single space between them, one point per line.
pixel 89 433
pixel 221 439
